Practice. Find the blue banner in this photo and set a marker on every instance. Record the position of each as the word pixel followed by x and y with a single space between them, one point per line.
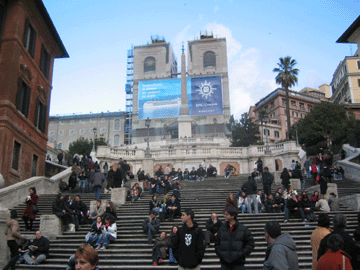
pixel 162 98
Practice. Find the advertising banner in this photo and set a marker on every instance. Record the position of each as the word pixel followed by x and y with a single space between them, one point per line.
pixel 162 98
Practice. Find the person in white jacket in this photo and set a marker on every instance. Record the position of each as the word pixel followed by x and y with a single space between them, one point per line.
pixel 109 233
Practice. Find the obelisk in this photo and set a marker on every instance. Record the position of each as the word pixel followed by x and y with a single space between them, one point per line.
pixel 184 120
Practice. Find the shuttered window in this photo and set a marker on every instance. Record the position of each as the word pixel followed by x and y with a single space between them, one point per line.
pixel 40 116
pixel 23 98
pixel 45 61
pixel 30 38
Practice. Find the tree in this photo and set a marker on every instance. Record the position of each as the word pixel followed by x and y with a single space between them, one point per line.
pixel 326 126
pixel 287 77
pixel 243 132
pixel 81 146
pixel 99 141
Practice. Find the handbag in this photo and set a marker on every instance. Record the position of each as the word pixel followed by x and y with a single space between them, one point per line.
pixel 35 209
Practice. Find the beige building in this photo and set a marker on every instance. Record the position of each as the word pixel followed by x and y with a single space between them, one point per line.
pixel 65 129
pixel 345 84
pixel 274 106
pixel 157 89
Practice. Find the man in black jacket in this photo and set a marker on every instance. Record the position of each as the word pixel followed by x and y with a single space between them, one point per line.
pixel 234 242
pixel 81 210
pixel 340 223
pixel 293 208
pixel 213 224
pixel 267 180
pixel 188 243
pixel 173 207
pixel 250 189
pixel 39 250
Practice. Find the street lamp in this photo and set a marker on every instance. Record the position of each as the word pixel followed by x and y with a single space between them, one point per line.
pixel 147 124
pixel 94 131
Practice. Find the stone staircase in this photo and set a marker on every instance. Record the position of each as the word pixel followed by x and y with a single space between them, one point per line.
pixel 131 250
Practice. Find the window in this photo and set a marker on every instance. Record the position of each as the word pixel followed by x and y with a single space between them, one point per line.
pixel 117 140
pixel 51 134
pixel 302 106
pixel 82 131
pixel 34 165
pixel 266 132
pixel 117 124
pixel 102 120
pixel 209 59
pixel 71 132
pixel 61 133
pixel 295 114
pixel 303 115
pixel 293 104
pixel 40 115
pixel 309 108
pixel 91 131
pixel 102 131
pixel 284 102
pixel 23 98
pixel 272 115
pixel 30 38
pixel 359 82
pixel 60 145
pixel 45 61
pixel 358 64
pixel 149 64
pixel 16 155
pixel 277 134
pixel 69 144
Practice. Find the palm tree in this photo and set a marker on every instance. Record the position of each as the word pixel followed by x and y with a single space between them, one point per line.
pixel 287 77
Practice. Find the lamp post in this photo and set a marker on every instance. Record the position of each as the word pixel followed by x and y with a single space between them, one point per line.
pixel 94 132
pixel 147 124
pixel 267 150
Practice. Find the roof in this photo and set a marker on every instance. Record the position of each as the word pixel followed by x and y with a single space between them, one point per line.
pixel 45 15
pixel 353 27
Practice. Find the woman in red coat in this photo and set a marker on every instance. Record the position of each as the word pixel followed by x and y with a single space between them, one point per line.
pixel 334 258
pixel 29 216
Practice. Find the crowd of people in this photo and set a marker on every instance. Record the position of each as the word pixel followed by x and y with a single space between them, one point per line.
pixel 185 245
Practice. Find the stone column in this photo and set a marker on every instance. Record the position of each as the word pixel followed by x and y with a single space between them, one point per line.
pixel 148 166
pixel 4 254
pixel 50 226
pixel 118 195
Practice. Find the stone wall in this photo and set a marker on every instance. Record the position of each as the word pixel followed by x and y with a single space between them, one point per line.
pixel 351 201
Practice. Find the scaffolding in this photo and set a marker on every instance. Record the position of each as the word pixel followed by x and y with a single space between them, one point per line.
pixel 129 94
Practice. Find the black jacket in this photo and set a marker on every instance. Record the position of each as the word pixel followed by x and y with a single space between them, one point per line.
pixel 43 245
pixel 233 247
pixel 57 206
pixel 79 207
pixel 267 178
pixel 291 204
pixel 249 187
pixel 213 227
pixel 285 178
pixel 189 247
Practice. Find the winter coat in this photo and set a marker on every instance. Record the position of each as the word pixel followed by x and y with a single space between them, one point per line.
pixel 323 205
pixel 43 245
pixel 189 246
pixel 318 234
pixel 95 229
pixel 281 254
pixel 249 187
pixel 12 231
pixel 28 211
pixel 334 204
pixel 111 229
pixel 334 261
pixel 305 205
pixel 161 243
pixel 99 179
pixel 267 178
pixel 233 247
pixel 285 176
pixel 155 222
pixel 57 206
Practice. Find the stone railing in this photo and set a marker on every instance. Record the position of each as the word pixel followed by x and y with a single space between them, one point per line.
pixel 12 195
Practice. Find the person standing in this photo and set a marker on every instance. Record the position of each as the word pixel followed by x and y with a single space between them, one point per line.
pixel 189 243
pixel 250 189
pixel 267 180
pixel 259 165
pixel 110 178
pixel 60 157
pixel 318 234
pixel 99 179
pixel 234 242
pixel 29 214
pixel 12 232
pixel 281 252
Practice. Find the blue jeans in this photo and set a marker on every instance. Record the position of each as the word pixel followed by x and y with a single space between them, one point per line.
pixel 105 239
pixel 83 185
pixel 252 203
pixel 97 192
pixel 151 230
pixel 303 185
pixel 37 260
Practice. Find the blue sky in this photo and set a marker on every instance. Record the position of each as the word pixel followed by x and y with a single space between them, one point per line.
pixel 97 35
